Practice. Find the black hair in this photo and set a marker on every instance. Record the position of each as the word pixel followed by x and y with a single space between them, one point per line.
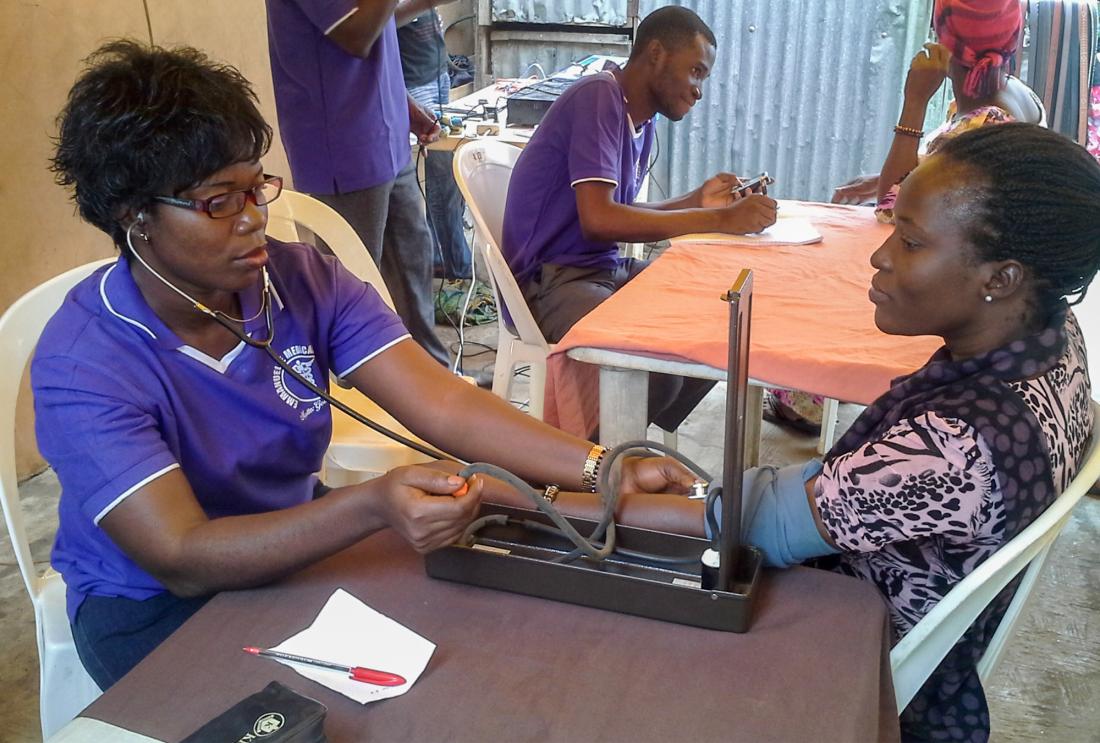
pixel 673 26
pixel 143 121
pixel 1041 201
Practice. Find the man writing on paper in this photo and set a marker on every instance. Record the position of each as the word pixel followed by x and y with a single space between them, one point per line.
pixel 571 195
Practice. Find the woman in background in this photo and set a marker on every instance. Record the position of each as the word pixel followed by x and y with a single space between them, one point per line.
pixel 977 44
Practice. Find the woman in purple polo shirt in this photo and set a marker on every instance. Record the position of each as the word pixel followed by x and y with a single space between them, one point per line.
pixel 187 459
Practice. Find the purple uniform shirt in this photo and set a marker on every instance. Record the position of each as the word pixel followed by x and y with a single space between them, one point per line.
pixel 120 400
pixel 344 120
pixel 587 135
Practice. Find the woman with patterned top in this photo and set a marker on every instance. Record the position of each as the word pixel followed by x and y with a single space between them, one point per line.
pixel 993 233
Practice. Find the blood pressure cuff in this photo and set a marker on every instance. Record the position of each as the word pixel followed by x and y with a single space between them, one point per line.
pixel 776 516
pixel 274 715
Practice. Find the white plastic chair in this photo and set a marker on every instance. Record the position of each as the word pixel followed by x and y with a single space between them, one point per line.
pixel 356 452
pixel 65 688
pixel 914 658
pixel 482 170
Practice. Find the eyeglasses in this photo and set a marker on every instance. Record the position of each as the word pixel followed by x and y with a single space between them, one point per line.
pixel 230 204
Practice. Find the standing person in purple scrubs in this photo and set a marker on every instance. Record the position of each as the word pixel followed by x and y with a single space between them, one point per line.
pixel 345 119
pixel 188 459
pixel 571 195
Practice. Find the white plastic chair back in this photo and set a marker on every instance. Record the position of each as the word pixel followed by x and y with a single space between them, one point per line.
pixel 355 453
pixel 914 658
pixel 293 209
pixel 65 688
pixel 482 170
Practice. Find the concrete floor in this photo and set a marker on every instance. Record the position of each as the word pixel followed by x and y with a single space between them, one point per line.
pixel 1047 689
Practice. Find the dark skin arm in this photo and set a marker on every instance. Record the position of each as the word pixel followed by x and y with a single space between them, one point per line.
pixel 672 514
pixel 163 528
pixel 603 219
pixel 358 32
pixel 927 72
pixel 475 425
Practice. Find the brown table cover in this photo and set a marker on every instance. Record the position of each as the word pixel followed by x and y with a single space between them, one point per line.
pixel 814 667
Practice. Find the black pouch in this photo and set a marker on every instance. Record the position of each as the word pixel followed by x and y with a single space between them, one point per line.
pixel 275 715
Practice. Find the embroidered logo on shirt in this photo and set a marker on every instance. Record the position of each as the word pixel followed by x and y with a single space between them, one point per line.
pixel 301 359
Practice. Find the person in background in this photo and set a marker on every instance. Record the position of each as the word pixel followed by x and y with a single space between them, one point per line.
pixel 992 234
pixel 977 41
pixel 571 197
pixel 345 119
pixel 977 44
pixel 426 67
pixel 188 459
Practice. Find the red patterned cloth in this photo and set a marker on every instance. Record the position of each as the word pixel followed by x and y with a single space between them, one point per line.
pixel 982 35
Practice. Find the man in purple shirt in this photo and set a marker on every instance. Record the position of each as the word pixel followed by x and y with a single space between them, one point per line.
pixel 571 195
pixel 345 119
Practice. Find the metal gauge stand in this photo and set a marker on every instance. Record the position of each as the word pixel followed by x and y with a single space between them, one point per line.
pixel 510 557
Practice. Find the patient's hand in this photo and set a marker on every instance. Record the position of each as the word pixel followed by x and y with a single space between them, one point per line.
pixel 655 475
pixel 859 190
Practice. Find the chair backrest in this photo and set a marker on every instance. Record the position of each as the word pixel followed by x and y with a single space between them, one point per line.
pixel 293 209
pixel 20 328
pixel 921 650
pixel 482 170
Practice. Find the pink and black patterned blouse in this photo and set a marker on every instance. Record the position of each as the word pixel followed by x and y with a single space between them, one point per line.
pixel 944 469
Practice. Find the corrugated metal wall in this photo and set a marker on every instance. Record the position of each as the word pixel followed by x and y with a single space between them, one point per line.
pixel 604 12
pixel 808 90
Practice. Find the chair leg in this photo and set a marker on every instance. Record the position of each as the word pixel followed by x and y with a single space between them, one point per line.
pixel 829 412
pixel 503 369
pixel 537 389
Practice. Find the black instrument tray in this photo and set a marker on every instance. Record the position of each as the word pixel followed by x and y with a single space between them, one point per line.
pixel 512 558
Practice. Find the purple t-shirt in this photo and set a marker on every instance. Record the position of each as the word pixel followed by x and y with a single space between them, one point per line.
pixel 587 135
pixel 120 400
pixel 344 120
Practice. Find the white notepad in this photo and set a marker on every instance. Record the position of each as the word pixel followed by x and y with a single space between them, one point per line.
pixel 785 231
pixel 349 632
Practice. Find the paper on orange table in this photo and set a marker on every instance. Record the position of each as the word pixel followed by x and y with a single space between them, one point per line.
pixel 785 231
pixel 349 632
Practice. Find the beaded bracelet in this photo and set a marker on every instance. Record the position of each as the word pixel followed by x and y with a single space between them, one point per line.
pixel 908 131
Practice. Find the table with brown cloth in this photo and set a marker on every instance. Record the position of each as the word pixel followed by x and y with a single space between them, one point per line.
pixel 814 666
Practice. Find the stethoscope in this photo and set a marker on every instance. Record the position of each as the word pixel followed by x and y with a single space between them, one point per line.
pixel 235 324
pixel 598 545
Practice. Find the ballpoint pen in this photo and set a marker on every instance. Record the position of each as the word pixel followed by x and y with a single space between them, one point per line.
pixel 357 673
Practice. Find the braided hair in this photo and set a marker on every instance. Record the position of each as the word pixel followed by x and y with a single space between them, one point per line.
pixel 1041 205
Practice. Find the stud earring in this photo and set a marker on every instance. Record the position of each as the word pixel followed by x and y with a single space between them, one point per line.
pixel 989 297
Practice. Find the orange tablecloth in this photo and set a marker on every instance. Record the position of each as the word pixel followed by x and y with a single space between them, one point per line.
pixel 812 326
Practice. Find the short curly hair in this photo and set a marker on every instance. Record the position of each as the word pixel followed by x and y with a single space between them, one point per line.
pixel 143 121
pixel 1041 198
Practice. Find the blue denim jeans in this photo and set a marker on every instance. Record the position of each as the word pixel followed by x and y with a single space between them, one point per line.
pixel 112 634
pixel 445 203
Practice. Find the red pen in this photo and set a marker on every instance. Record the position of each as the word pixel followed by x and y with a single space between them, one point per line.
pixel 358 673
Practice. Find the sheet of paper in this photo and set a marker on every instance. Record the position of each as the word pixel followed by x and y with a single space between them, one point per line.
pixel 349 632
pixel 785 231
pixel 91 730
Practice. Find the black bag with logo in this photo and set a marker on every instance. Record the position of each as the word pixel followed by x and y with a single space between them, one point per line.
pixel 275 715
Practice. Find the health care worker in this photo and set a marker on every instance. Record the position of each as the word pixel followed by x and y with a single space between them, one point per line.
pixel 187 458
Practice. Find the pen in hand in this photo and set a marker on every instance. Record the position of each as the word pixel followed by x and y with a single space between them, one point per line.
pixel 357 673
